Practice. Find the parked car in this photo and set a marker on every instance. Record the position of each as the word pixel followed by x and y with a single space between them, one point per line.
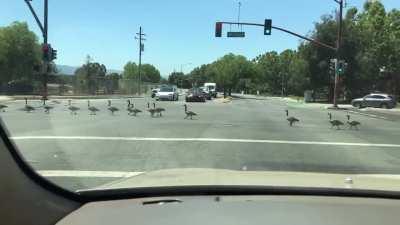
pixel 375 100
pixel 169 93
pixel 195 95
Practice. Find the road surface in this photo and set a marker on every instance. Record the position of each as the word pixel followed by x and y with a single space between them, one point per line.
pixel 83 151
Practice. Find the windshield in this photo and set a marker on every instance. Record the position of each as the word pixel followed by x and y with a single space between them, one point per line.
pixel 283 104
pixel 166 89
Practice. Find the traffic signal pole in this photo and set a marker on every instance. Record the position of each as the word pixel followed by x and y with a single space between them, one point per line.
pixel 338 53
pixel 219 26
pixel 337 48
pixel 44 30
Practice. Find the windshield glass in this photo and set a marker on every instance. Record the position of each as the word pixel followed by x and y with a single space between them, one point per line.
pixel 166 89
pixel 283 102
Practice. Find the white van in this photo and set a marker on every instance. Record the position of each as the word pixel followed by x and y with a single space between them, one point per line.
pixel 211 88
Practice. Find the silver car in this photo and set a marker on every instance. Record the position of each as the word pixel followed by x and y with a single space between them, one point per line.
pixel 169 93
pixel 375 100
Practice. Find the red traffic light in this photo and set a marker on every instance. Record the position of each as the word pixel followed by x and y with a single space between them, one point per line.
pixel 218 29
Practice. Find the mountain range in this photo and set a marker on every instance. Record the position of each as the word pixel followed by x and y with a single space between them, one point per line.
pixel 70 70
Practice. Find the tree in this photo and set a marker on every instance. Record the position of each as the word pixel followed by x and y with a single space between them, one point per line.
pixel 91 76
pixel 149 73
pixel 131 71
pixel 19 53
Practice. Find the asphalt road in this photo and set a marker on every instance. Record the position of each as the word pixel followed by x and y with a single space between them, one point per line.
pixel 250 134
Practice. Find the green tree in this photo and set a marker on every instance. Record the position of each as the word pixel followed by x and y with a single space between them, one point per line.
pixel 150 73
pixel 19 53
pixel 91 76
pixel 131 71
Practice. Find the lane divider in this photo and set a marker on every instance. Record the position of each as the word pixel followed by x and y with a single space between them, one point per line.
pixel 215 140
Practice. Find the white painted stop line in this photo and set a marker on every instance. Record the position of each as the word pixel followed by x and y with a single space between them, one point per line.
pixel 79 173
pixel 223 140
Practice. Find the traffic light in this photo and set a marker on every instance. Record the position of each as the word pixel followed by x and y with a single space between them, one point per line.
pixel 53 54
pixel 332 66
pixel 342 66
pixel 46 52
pixel 218 29
pixel 268 27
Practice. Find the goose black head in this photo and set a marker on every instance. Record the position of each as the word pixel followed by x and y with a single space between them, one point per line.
pixel 348 117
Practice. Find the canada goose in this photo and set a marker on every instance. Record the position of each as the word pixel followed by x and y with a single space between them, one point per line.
pixel 330 116
pixel 159 111
pixel 287 112
pixel 135 111
pixel 189 113
pixel 47 108
pixel 148 105
pixel 152 112
pixel 3 107
pixel 73 110
pixel 27 107
pixel 129 104
pixel 336 123
pixel 112 109
pixel 292 120
pixel 92 109
pixel 354 124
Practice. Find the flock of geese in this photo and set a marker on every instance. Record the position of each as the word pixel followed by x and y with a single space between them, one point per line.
pixel 157 112
pixel 334 123
pixel 131 109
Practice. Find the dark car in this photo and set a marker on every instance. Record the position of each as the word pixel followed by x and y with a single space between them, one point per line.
pixel 206 93
pixel 195 95
pixel 375 100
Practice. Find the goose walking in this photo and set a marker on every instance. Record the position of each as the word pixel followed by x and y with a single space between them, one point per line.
pixel 92 109
pixel 353 124
pixel 336 123
pixel 292 121
pixel 73 110
pixel 189 114
pixel 159 111
pixel 112 109
pixel 27 107
pixel 330 116
pixel 47 108
pixel 152 112
pixel 3 107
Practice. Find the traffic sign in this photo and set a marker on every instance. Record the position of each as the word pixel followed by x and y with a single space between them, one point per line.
pixel 236 34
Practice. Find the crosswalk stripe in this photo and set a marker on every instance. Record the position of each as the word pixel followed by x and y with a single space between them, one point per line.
pixel 215 140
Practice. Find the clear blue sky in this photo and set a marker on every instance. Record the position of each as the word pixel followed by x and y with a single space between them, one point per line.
pixel 178 31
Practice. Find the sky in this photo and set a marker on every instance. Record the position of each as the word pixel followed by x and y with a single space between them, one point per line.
pixel 179 33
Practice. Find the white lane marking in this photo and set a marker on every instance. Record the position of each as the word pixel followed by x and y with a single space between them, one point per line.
pixel 94 138
pixel 78 173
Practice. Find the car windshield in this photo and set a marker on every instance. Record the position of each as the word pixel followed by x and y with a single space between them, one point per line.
pixel 166 89
pixel 250 93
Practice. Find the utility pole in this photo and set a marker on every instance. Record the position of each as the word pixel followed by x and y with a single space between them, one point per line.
pixel 338 52
pixel 140 37
pixel 44 29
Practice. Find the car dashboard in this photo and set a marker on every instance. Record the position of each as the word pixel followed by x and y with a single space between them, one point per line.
pixel 229 210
